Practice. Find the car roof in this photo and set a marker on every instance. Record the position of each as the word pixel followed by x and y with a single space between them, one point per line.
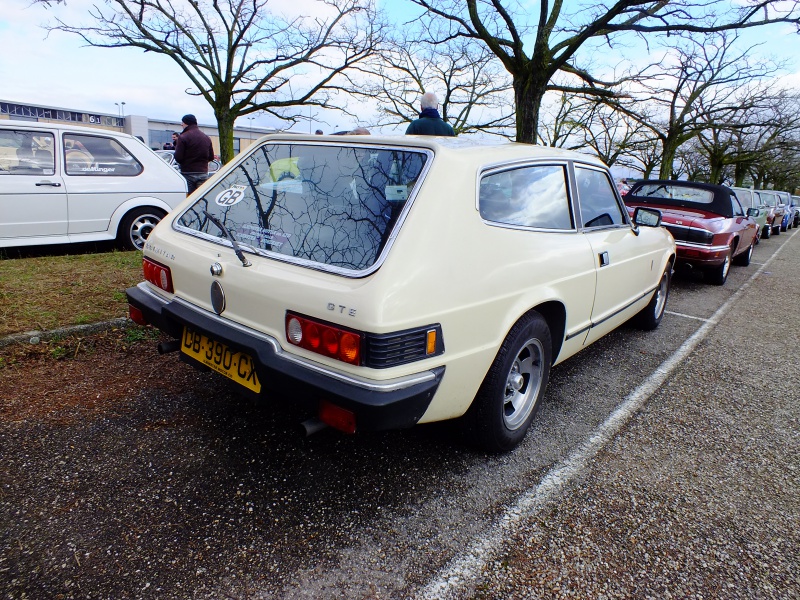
pixel 63 127
pixel 720 204
pixel 480 151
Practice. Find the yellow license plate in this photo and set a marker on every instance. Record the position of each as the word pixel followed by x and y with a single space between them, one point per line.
pixel 237 366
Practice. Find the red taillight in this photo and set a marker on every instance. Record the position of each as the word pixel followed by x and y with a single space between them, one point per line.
pixel 159 275
pixel 324 339
pixel 337 417
pixel 136 315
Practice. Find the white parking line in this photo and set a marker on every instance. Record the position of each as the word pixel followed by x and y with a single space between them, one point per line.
pixel 464 569
pixel 685 316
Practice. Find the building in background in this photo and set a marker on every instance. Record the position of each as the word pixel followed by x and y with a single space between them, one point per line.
pixel 154 132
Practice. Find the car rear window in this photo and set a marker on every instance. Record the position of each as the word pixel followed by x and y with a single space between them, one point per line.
pixel 331 205
pixel 674 192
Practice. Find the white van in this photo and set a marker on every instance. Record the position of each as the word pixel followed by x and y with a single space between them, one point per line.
pixel 61 184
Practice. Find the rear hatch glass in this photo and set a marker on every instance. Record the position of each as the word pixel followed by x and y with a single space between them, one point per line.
pixel 326 206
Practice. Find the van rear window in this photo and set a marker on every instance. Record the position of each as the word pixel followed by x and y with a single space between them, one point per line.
pixel 331 205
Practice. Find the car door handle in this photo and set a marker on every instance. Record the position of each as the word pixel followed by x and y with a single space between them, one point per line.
pixel 604 262
pixel 50 183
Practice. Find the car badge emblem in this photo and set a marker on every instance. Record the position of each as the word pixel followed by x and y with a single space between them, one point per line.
pixel 217 297
pixel 678 222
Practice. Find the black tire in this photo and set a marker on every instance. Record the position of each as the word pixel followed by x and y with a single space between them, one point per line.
pixel 776 230
pixel 137 225
pixel 718 275
pixel 767 233
pixel 512 391
pixel 650 316
pixel 744 258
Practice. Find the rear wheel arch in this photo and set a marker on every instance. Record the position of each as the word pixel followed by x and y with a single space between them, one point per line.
pixel 555 314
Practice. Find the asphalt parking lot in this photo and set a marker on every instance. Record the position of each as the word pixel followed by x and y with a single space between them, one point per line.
pixel 664 464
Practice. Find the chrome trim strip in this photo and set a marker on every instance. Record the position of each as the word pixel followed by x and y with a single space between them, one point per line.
pixel 390 385
pixel 612 315
pixel 681 244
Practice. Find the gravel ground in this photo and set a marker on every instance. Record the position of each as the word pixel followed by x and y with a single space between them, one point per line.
pixel 699 495
pixel 131 475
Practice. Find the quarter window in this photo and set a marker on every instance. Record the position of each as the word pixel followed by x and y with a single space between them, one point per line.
pixel 534 196
pixel 599 206
pixel 26 153
pixel 98 156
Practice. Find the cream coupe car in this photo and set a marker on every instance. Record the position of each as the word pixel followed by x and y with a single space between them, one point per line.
pixel 390 281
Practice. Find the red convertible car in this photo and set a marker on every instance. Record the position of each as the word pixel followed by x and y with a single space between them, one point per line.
pixel 710 227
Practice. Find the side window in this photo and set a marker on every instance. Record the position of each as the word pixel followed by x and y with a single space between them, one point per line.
pixel 534 196
pixel 599 206
pixel 98 156
pixel 737 208
pixel 26 153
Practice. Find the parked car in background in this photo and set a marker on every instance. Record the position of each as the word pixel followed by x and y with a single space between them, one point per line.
pixel 788 218
pixel 749 199
pixel 389 281
pixel 796 206
pixel 772 200
pixel 65 184
pixel 711 228
pixel 169 157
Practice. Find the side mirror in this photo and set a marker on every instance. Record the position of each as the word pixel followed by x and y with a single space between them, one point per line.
pixel 753 212
pixel 648 217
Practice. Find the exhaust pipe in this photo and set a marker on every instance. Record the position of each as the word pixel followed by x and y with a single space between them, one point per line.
pixel 312 426
pixel 170 346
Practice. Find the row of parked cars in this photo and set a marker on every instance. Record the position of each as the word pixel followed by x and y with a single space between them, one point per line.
pixel 715 226
pixel 381 281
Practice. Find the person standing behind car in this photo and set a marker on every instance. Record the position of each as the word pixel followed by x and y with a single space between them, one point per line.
pixel 429 122
pixel 193 151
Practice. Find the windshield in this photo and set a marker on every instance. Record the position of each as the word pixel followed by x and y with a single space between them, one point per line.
pixel 331 205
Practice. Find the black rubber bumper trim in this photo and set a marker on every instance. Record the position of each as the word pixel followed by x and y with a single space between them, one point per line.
pixel 374 409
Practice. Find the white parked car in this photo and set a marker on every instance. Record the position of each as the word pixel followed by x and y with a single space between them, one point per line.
pixel 391 281
pixel 169 158
pixel 64 184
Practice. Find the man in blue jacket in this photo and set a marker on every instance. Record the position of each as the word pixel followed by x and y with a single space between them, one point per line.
pixel 429 122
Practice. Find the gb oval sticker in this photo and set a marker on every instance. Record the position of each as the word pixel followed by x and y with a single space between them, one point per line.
pixel 233 195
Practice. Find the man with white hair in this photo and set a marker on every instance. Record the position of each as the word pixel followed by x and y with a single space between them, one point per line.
pixel 429 122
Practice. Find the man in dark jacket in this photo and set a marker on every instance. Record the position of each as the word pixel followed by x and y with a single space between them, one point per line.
pixel 429 122
pixel 193 151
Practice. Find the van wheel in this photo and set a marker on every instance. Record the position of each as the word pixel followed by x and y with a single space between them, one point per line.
pixel 650 316
pixel 512 391
pixel 767 232
pixel 136 226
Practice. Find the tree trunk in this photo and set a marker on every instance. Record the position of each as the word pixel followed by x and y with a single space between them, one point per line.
pixel 529 92
pixel 225 121
pixel 668 158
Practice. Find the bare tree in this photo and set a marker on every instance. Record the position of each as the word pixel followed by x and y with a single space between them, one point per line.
pixel 701 84
pixel 564 121
pixel 239 56
pixel 612 133
pixel 558 36
pixel 473 89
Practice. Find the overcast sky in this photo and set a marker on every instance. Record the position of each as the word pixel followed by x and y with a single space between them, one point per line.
pixel 59 70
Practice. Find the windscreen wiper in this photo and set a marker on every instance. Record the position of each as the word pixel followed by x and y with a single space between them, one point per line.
pixel 239 254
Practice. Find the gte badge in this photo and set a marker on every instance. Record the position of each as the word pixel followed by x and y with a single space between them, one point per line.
pixel 231 196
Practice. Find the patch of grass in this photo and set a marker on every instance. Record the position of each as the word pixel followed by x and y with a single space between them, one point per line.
pixel 47 292
pixel 137 333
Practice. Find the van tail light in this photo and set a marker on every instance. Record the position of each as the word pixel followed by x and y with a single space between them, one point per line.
pixel 337 417
pixel 137 316
pixel 158 274
pixel 324 338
